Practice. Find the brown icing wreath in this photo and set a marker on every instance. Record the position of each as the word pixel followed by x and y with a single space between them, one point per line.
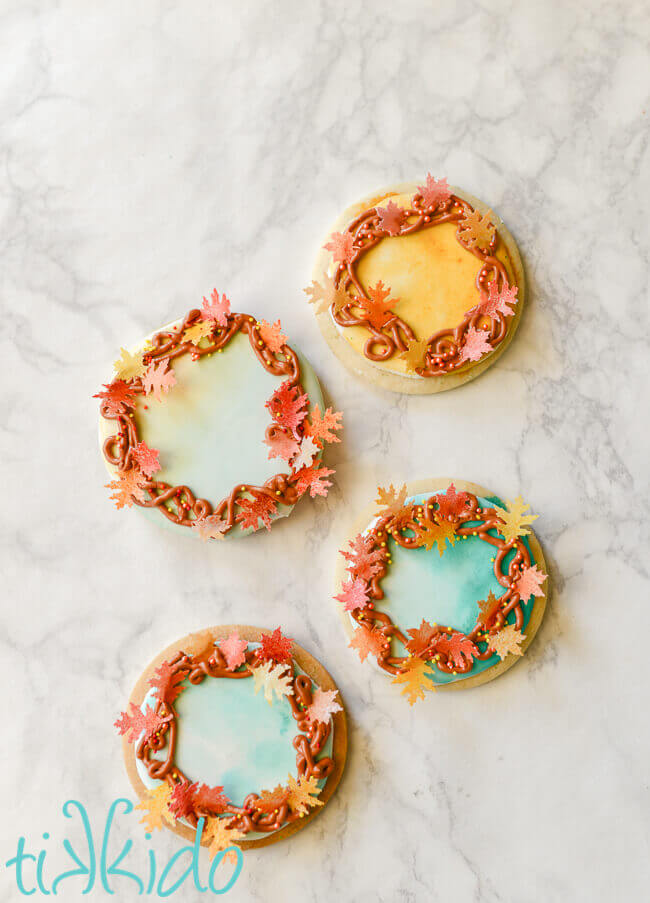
pixel 178 503
pixel 441 518
pixel 255 815
pixel 448 349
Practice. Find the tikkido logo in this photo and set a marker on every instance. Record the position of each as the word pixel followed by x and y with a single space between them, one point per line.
pixel 95 868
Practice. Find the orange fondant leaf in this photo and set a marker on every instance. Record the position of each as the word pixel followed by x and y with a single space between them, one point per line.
pixel 376 307
pixel 201 329
pixel 414 355
pixel 127 488
pixel 181 803
pixel 216 309
pixel 391 218
pixel 212 526
pixel 341 244
pixel 507 640
pixel 313 479
pixel 414 678
pixel 146 458
pixel 488 608
pixel 456 646
pixel 155 805
pixel 434 192
pixel 477 231
pixel 167 683
pixel 368 641
pixel 303 793
pixel 281 444
pixel 272 335
pixel 514 523
pixel 118 398
pixel 219 836
pixel 134 722
pixel 234 650
pixel 529 583
pixel 322 426
pixel 430 534
pixel 390 501
pixel 325 295
pixel 209 800
pixel 363 560
pixel 271 800
pixel 354 594
pixel 287 406
pixel 260 508
pixel 323 706
pixel 421 638
pixel 451 503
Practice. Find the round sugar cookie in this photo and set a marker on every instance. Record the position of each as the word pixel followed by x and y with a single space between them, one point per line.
pixel 418 288
pixel 443 586
pixel 215 425
pixel 238 726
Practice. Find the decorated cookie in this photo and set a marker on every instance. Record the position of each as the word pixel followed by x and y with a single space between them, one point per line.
pixel 236 732
pixel 418 288
pixel 443 586
pixel 214 425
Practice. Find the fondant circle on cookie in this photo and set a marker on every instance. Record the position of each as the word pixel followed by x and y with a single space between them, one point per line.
pixel 435 280
pixel 225 734
pixel 415 584
pixel 212 429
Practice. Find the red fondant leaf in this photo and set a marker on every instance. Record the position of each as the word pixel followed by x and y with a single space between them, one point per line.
pixel 217 308
pixel 391 218
pixel 421 637
pixel 368 642
pixel 458 647
pixel 475 346
pixel 127 488
pixel 529 583
pixel 275 647
pixel 281 445
pixel 498 301
pixel 323 706
pixel 158 379
pixel 167 682
pixel 210 527
pixel 287 406
pixel 321 426
pixel 234 651
pixel 209 800
pixel 134 721
pixel 376 307
pixel 364 560
pixel 146 458
pixel 434 192
pixel 313 478
pixel 272 335
pixel 451 503
pixel 354 594
pixel 181 803
pixel 118 398
pixel 341 244
pixel 260 507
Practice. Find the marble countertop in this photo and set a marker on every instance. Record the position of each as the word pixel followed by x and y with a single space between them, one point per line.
pixel 152 150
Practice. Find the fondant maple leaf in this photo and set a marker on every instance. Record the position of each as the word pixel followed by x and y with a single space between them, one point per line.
pixel 322 426
pixel 134 722
pixel 272 335
pixel 234 650
pixel 457 647
pixel 303 793
pixel 201 329
pixel 364 560
pixel 508 639
pixel 286 406
pixel 210 800
pixel 513 520
pixel 488 608
pixel 376 307
pixel 275 647
pixel 167 683
pixel 434 192
pixel 354 594
pixel 306 454
pixel 390 501
pixel 212 526
pixel 475 345
pixel 313 478
pixel 282 445
pixel 451 503
pixel 219 836
pixel 325 295
pixel 341 244
pixel 529 583
pixel 477 231
pixel 498 301
pixel 156 807
pixel 271 800
pixel 323 706
pixel 414 678
pixel 260 508
pixel 127 488
pixel 146 458
pixel 181 803
pixel 158 379
pixel 118 398
pixel 129 366
pixel 391 218
pixel 368 641
pixel 421 637
pixel 273 679
pixel 415 354
pixel 216 309
pixel 437 533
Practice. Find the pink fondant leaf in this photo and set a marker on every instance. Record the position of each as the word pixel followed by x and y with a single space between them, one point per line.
pixel 498 301
pixel 529 583
pixel 313 479
pixel 391 218
pixel 217 308
pixel 354 594
pixel 363 560
pixel 475 345
pixel 118 398
pixel 260 507
pixel 167 682
pixel 321 426
pixel 282 445
pixel 147 459
pixel 134 722
pixel 272 335
pixel 158 379
pixel 341 244
pixel 234 650
pixel 434 192
pixel 210 527
pixel 323 706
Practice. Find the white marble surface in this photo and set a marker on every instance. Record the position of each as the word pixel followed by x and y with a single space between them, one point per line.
pixel 152 150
